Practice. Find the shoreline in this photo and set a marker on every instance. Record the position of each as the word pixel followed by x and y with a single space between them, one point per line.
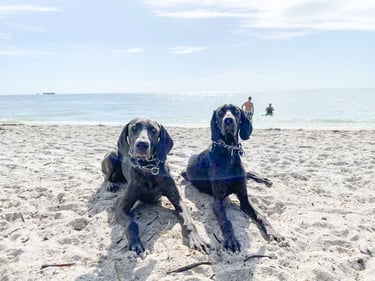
pixel 117 124
pixel 54 209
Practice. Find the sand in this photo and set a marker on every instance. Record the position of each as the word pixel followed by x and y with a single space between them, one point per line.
pixel 55 211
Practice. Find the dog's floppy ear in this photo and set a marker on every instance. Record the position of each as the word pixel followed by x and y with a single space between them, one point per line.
pixel 245 127
pixel 164 145
pixel 122 143
pixel 215 132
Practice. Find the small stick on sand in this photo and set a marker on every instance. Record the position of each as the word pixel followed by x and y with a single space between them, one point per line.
pixel 217 238
pixel 188 267
pixel 22 218
pixel 149 223
pixel 256 256
pixel 56 265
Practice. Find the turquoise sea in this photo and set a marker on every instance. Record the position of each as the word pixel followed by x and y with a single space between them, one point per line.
pixel 306 109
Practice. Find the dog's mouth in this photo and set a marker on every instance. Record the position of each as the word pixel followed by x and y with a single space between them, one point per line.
pixel 229 132
pixel 143 155
pixel 229 138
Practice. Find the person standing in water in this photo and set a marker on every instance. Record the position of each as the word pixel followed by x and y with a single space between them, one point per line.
pixel 269 110
pixel 248 107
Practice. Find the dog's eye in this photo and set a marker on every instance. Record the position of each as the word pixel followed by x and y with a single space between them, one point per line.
pixel 236 112
pixel 135 128
pixel 153 130
pixel 221 113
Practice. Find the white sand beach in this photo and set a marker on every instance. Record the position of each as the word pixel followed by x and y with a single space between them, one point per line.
pixel 56 220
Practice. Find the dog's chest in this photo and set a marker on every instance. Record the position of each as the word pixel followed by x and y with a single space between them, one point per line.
pixel 226 164
pixel 150 184
pixel 150 190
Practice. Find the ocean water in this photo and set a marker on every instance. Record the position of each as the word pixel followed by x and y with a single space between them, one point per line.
pixel 305 109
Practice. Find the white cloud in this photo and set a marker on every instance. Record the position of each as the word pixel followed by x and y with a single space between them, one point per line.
pixel 29 28
pixel 4 35
pixel 282 34
pixel 129 51
pixel 200 14
pixel 238 45
pixel 7 10
pixel 201 3
pixel 275 19
pixel 183 50
pixel 14 52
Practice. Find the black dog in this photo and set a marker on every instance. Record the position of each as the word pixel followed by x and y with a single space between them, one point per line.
pixel 140 163
pixel 218 171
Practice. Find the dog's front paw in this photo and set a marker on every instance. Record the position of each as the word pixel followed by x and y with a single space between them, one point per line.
pixel 136 246
pixel 272 235
pixel 232 244
pixel 197 243
pixel 112 187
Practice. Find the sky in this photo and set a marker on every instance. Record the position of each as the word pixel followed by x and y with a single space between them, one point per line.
pixel 118 46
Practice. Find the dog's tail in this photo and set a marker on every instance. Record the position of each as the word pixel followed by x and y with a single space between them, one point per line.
pixel 258 179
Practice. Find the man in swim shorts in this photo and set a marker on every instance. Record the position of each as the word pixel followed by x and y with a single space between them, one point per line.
pixel 248 107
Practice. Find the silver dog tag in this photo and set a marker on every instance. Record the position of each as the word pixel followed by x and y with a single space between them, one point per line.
pixel 155 171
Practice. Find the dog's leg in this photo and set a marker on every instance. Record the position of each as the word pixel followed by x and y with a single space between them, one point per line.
pixel 182 211
pixel 125 217
pixel 267 230
pixel 111 168
pixel 230 241
pixel 219 190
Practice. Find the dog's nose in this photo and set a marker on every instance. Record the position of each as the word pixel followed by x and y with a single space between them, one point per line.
pixel 142 145
pixel 228 121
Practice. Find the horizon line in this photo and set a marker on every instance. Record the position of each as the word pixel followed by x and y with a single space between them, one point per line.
pixel 191 92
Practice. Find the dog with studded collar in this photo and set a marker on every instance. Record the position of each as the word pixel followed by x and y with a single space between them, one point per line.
pixel 218 171
pixel 140 165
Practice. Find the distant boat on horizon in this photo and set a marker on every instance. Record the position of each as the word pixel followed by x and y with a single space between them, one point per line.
pixel 49 93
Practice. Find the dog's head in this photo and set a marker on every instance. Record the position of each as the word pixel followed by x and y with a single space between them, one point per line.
pixel 227 122
pixel 145 139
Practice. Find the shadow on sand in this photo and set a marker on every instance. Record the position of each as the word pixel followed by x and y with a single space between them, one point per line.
pixel 118 263
pixel 226 265
pixel 155 224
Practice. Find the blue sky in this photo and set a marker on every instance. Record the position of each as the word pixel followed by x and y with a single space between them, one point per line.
pixel 92 46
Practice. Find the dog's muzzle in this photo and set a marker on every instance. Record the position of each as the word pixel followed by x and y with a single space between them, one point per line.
pixel 229 125
pixel 142 149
